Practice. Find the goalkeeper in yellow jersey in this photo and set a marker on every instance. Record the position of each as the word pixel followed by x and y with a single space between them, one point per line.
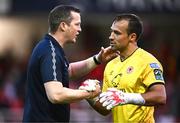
pixel 133 82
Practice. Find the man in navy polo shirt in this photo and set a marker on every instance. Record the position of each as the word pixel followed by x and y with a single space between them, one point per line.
pixel 48 94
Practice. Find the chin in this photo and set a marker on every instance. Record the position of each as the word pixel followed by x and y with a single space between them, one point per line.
pixel 113 47
pixel 73 41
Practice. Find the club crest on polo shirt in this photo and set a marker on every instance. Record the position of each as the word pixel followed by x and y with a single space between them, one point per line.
pixel 154 65
pixel 158 74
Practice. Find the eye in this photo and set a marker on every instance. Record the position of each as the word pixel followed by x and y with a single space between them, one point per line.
pixel 117 32
pixel 77 24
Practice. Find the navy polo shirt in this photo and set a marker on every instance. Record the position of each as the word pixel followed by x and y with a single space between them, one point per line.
pixel 47 63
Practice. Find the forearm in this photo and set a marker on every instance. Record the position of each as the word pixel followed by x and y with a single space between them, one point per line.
pixel 81 68
pixel 145 99
pixel 56 93
pixel 72 95
pixel 152 98
pixel 67 95
pixel 96 105
pixel 156 95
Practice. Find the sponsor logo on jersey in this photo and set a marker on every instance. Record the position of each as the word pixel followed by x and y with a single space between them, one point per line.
pixel 158 74
pixel 154 65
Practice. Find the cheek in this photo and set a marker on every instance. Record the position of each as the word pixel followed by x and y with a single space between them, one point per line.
pixel 73 30
pixel 121 41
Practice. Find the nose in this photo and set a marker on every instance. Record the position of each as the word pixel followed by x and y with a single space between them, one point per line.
pixel 111 37
pixel 79 30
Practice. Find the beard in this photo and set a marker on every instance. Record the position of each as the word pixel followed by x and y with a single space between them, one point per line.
pixel 113 47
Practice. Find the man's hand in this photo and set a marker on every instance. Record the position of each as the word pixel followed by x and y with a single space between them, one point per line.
pixel 112 98
pixel 106 54
pixel 91 86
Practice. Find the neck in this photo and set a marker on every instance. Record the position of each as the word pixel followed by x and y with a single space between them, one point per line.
pixel 127 52
pixel 59 39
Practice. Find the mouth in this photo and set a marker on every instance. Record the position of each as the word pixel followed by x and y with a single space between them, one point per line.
pixel 76 35
pixel 112 44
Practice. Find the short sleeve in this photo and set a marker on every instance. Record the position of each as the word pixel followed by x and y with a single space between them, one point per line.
pixel 153 73
pixel 51 66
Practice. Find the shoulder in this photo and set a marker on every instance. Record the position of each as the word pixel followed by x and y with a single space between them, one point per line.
pixel 41 45
pixel 112 63
pixel 145 55
pixel 149 59
pixel 46 47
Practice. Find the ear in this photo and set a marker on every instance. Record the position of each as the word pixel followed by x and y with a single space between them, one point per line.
pixel 133 37
pixel 63 26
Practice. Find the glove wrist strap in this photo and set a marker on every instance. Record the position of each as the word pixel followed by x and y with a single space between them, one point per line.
pixel 135 98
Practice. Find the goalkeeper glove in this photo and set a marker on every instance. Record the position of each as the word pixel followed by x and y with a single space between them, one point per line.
pixel 114 97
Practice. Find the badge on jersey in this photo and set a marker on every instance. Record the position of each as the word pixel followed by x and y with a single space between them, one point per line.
pixel 158 74
pixel 154 65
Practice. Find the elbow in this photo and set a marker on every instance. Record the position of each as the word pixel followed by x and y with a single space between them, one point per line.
pixel 53 99
pixel 162 100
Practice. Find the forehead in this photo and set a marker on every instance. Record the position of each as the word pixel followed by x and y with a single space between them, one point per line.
pixel 75 16
pixel 119 25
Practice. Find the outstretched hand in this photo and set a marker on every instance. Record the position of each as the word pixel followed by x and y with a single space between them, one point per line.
pixel 106 54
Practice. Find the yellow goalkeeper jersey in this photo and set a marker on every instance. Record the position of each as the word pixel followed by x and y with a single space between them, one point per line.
pixel 134 75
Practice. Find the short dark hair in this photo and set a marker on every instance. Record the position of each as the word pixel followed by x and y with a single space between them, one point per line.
pixel 135 24
pixel 61 13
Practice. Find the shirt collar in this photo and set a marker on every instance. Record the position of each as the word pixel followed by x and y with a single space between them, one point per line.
pixel 54 41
